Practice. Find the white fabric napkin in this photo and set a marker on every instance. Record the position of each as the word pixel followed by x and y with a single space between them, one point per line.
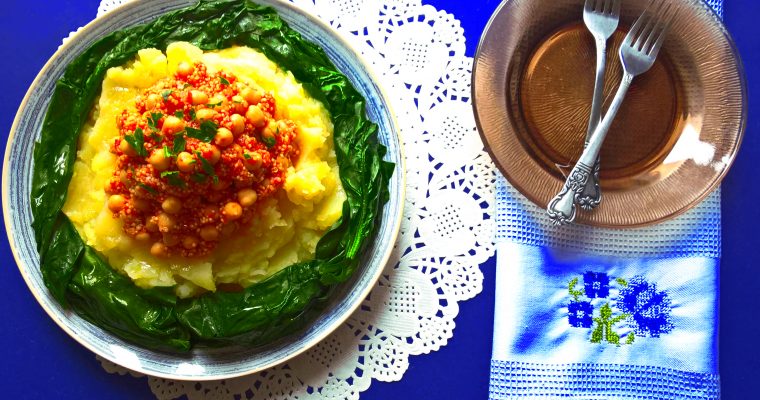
pixel 596 313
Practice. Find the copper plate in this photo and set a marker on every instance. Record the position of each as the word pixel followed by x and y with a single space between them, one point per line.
pixel 672 142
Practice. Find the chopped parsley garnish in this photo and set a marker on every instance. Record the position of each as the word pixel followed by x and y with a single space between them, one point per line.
pixel 167 152
pixel 165 94
pixel 173 178
pixel 212 105
pixel 192 114
pixel 224 81
pixel 246 156
pixel 269 141
pixel 207 167
pixel 179 114
pixel 187 85
pixel 137 141
pixel 156 137
pixel 198 177
pixel 154 119
pixel 206 133
pixel 179 144
pixel 147 188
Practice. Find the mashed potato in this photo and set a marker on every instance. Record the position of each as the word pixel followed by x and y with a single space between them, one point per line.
pixel 285 231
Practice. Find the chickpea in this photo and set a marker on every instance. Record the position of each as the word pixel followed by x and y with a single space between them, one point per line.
pixel 116 203
pixel 209 233
pixel 151 225
pixel 237 124
pixel 189 242
pixel 173 124
pixel 171 205
pixel 198 97
pixel 205 114
pixel 219 186
pixel 141 205
pixel 159 161
pixel 218 101
pixel 232 211
pixel 239 105
pixel 247 197
pixel 229 229
pixel 171 239
pixel 159 249
pixel 253 161
pixel 215 155
pixel 185 162
pixel 268 134
pixel 223 137
pixel 124 177
pixel 127 148
pixel 152 101
pixel 143 236
pixel 256 116
pixel 165 222
pixel 252 96
pixel 185 69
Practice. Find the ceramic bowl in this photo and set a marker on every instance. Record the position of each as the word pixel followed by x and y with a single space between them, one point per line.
pixel 201 363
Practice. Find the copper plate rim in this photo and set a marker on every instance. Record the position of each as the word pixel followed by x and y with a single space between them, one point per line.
pixel 497 142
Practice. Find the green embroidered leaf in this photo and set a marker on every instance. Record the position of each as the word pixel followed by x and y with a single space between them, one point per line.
pixel 173 178
pixel 622 282
pixel 572 291
pixel 630 338
pixel 137 142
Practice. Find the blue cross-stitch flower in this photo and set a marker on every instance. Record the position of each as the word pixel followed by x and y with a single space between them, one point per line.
pixel 649 309
pixel 580 314
pixel 596 284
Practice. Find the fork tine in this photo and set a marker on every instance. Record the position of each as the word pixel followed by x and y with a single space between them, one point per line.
pixel 651 20
pixel 656 31
pixel 633 33
pixel 616 8
pixel 663 32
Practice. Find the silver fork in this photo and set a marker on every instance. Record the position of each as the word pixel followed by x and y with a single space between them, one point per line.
pixel 601 18
pixel 637 54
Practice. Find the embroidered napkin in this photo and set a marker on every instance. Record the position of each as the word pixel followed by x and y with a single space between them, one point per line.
pixel 591 313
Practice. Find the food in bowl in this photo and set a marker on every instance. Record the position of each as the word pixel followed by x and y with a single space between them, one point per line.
pixel 158 217
pixel 217 168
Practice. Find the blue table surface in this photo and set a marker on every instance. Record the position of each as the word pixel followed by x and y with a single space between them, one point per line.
pixel 40 361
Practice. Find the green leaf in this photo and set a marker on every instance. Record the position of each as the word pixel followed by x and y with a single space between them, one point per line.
pixel 205 134
pixel 179 114
pixel 269 141
pixel 224 81
pixel 179 144
pixel 137 141
pixel 207 167
pixel 147 188
pixel 192 114
pixel 165 94
pixel 173 178
pixel 167 152
pixel 154 119
pixel 265 311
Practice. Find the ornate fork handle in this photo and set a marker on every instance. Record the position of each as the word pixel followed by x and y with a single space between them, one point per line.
pixel 562 208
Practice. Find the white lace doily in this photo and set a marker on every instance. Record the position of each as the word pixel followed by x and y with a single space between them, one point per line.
pixel 418 52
